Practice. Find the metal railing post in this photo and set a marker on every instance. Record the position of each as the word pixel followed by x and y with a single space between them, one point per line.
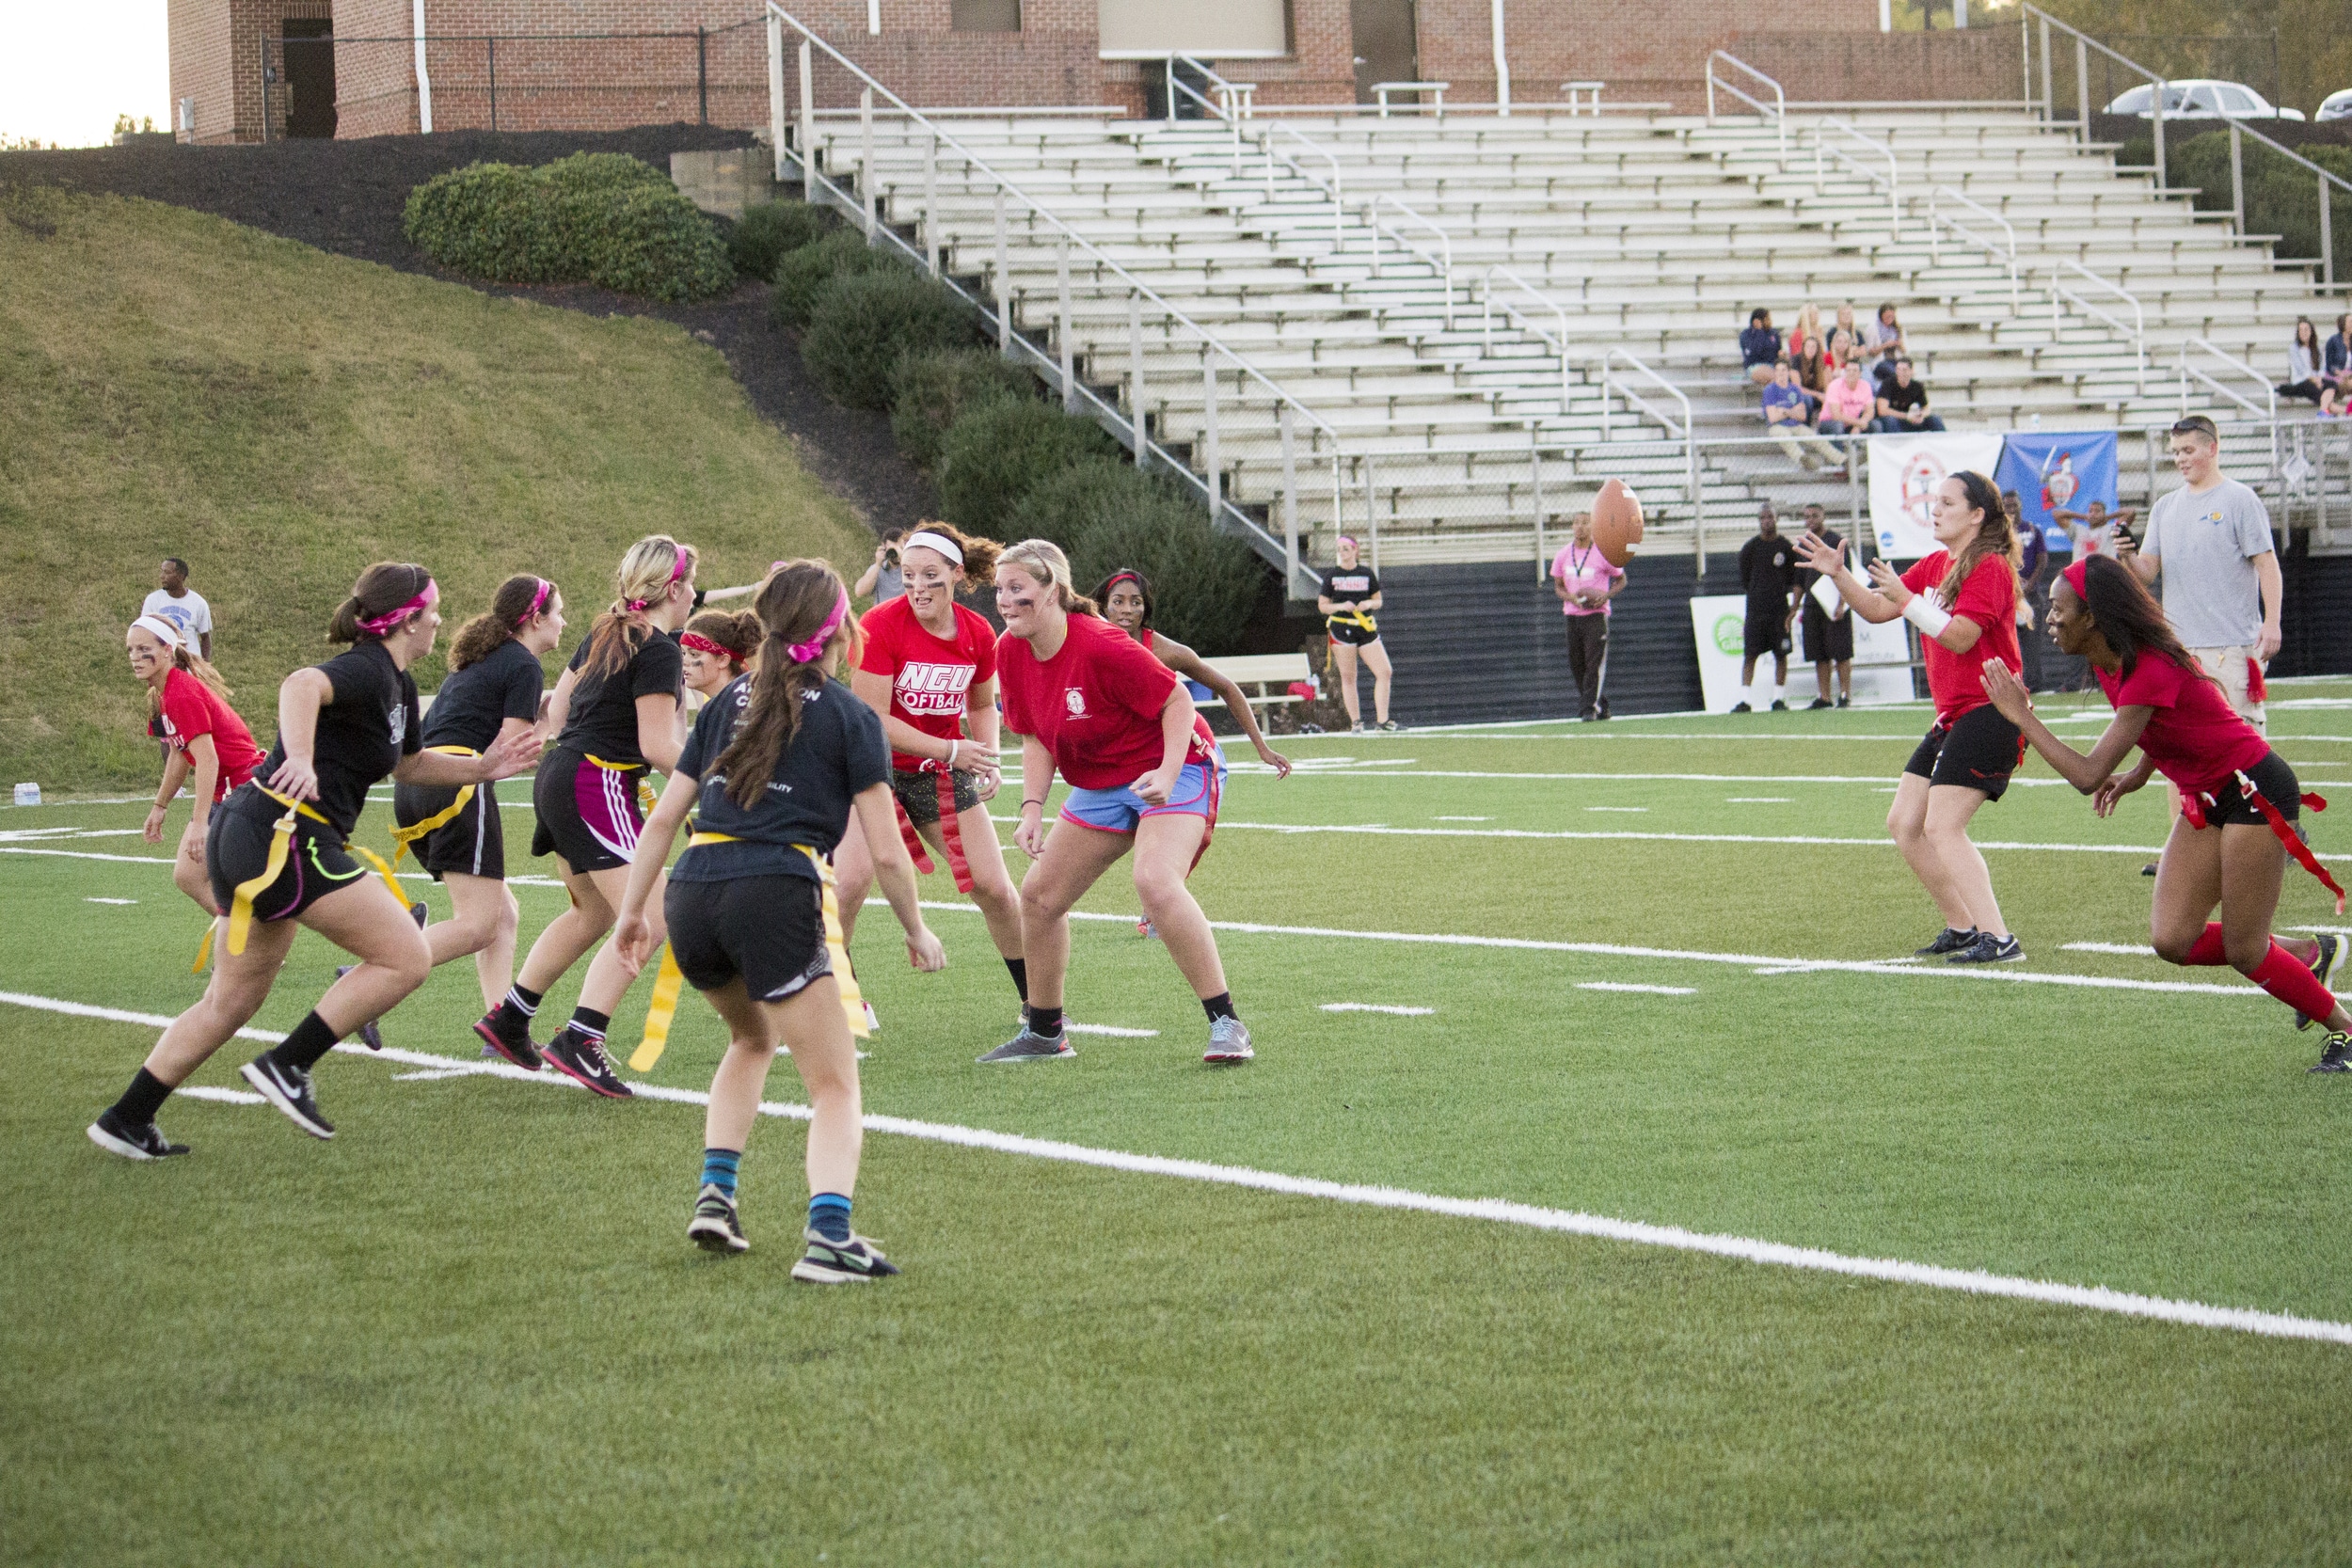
pixel 2237 180
pixel 1290 498
pixel 2082 87
pixel 494 83
pixel 776 92
pixel 1003 282
pixel 2049 102
pixel 1371 514
pixel 865 158
pixel 1068 344
pixel 1134 380
pixel 2150 434
pixel 1208 435
pixel 2163 174
pixel 2327 238
pixel 808 123
pixel 702 71
pixel 1536 489
pixel 931 203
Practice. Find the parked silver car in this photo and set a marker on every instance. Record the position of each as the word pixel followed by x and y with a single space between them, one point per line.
pixel 2200 97
pixel 2336 105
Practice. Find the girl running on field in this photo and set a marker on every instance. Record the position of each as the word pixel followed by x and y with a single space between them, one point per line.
pixel 279 854
pixel 207 743
pixel 615 715
pixel 1125 596
pixel 1349 594
pixel 2225 848
pixel 1118 723
pixel 1963 599
pixel 774 767
pixel 457 832
pixel 714 648
pixel 927 669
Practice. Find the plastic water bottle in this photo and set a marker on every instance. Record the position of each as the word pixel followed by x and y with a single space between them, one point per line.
pixel 28 795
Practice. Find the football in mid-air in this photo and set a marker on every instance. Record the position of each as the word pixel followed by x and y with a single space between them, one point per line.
pixel 1616 522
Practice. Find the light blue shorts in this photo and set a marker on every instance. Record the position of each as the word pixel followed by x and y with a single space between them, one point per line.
pixel 1118 811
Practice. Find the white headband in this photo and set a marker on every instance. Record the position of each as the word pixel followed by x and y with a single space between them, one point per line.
pixel 165 632
pixel 931 541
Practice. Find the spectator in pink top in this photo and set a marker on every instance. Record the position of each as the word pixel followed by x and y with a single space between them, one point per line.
pixel 1849 404
pixel 1584 582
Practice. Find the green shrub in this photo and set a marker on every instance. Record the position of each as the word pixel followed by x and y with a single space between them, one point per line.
pixel 800 273
pixel 769 231
pixel 931 389
pixel 593 217
pixel 1204 584
pixel 996 453
pixel 1067 505
pixel 2281 197
pixel 866 322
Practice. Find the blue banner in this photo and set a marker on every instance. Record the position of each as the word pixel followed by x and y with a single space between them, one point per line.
pixel 2063 470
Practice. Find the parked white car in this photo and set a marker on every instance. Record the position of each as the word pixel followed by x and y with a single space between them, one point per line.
pixel 2198 97
pixel 2336 105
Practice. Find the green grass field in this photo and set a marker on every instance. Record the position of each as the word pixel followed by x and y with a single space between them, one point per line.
pixel 471 1329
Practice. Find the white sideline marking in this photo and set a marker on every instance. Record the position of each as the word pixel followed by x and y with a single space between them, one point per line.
pixel 1461 819
pixel 2121 949
pixel 431 1075
pixel 1618 808
pixel 226 1097
pixel 1110 1029
pixel 1756 800
pixel 81 855
pixel 109 901
pixel 1895 1271
pixel 1377 1008
pixel 1654 991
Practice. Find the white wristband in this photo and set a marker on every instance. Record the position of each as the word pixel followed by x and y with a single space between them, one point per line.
pixel 1930 618
pixel 951 754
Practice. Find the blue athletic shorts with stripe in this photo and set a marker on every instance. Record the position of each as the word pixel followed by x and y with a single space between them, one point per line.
pixel 1118 811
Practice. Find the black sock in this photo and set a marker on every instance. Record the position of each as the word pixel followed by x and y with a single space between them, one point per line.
pixel 311 1039
pixel 1219 1006
pixel 1020 968
pixel 143 1099
pixel 588 1022
pixel 1044 1021
pixel 523 1000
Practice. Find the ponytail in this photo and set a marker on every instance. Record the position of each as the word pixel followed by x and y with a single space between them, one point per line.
pixel 653 565
pixel 382 590
pixel 515 605
pixel 804 610
pixel 737 634
pixel 980 555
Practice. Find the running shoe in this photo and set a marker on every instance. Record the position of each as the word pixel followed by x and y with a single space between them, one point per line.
pixel 1845 702
pixel 1229 1042
pixel 1816 704
pixel 1363 726
pixel 1779 706
pixel 1988 949
pixel 144 1141
pixel 289 1089
pixel 1742 708
pixel 1145 929
pixel 1951 938
pixel 2335 1057
pixel 716 1226
pixel 2148 870
pixel 1030 1046
pixel 851 1263
pixel 583 1061
pixel 1390 724
pixel 369 1034
pixel 504 1041
pixel 2328 967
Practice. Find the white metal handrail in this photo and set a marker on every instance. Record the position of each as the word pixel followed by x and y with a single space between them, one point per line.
pixel 2267 410
pixel 1777 111
pixel 1268 131
pixel 2137 329
pixel 1687 434
pixel 1822 151
pixel 1489 304
pixel 1943 195
pixel 1441 262
pixel 1435 90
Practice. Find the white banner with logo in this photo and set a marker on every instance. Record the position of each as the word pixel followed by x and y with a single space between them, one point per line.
pixel 1904 472
pixel 1882 657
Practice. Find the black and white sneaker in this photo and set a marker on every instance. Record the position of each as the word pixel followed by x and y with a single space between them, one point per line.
pixel 369 1035
pixel 583 1061
pixel 1229 1042
pixel 2335 1057
pixel 289 1089
pixel 1988 949
pixel 848 1263
pixel 1742 708
pixel 1816 704
pixel 1949 940
pixel 1390 724
pixel 2328 967
pixel 1030 1046
pixel 508 1041
pixel 716 1226
pixel 1779 705
pixel 143 1141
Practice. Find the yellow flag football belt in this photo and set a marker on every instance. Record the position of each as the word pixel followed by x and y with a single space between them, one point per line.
pixel 1350 618
pixel 404 839
pixel 281 844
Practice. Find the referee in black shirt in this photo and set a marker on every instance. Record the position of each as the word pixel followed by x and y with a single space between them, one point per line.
pixel 1768 572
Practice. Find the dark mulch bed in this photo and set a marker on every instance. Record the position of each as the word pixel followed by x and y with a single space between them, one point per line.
pixel 346 196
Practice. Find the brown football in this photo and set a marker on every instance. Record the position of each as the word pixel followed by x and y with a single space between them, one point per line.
pixel 1616 522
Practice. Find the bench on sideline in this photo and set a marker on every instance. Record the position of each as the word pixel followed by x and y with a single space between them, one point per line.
pixel 1264 671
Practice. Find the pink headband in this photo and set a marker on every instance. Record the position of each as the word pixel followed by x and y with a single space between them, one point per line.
pixel 805 652
pixel 702 645
pixel 377 626
pixel 538 603
pixel 677 570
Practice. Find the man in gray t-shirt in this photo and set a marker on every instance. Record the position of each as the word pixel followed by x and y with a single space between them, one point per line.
pixel 2210 541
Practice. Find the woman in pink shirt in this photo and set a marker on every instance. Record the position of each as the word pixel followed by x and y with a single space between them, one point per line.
pixel 1585 582
pixel 1850 404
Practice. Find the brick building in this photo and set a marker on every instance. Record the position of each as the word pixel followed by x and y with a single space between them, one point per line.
pixel 351 67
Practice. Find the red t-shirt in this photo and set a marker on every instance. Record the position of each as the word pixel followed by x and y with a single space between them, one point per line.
pixel 2194 737
pixel 1989 597
pixel 929 676
pixel 1095 705
pixel 191 708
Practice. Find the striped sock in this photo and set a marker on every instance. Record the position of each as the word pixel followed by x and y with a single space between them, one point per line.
pixel 719 1168
pixel 524 1001
pixel 829 1216
pixel 588 1022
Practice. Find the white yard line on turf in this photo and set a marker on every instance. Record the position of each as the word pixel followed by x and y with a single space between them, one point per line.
pixel 1377 1008
pixel 1652 991
pixel 1110 1029
pixel 1893 1271
pixel 109 901
pixel 2121 949
pixel 226 1097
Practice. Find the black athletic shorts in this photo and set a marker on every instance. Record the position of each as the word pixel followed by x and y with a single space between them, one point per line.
pixel 588 815
pixel 1826 638
pixel 1979 750
pixel 236 849
pixel 472 843
pixel 2276 782
pixel 1766 633
pixel 918 793
pixel 1350 633
pixel 770 930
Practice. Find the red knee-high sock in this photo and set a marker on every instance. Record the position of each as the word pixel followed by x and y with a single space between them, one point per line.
pixel 2288 978
pixel 2206 950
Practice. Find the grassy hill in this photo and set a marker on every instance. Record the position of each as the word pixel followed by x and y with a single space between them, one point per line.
pixel 172 384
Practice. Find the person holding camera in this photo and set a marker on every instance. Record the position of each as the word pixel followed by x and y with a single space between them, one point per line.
pixel 884 579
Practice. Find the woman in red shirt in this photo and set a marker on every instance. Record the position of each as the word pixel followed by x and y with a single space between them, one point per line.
pixel 1089 702
pixel 2225 849
pixel 189 713
pixel 929 669
pixel 1964 600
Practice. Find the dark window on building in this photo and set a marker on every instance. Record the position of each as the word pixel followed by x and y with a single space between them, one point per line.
pixel 986 16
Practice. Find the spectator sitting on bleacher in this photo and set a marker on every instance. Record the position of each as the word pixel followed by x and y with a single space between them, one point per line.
pixel 1882 345
pixel 1760 345
pixel 1787 411
pixel 1843 321
pixel 1850 406
pixel 2303 363
pixel 1843 346
pixel 1903 405
pixel 1815 370
pixel 2335 368
pixel 1806 332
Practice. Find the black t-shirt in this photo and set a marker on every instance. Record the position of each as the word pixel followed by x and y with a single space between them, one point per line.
pixel 474 703
pixel 837 750
pixel 367 725
pixel 1768 570
pixel 1807 576
pixel 602 720
pixel 1901 399
pixel 1350 584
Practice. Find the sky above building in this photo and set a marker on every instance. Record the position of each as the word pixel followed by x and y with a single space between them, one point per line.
pixel 66 72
